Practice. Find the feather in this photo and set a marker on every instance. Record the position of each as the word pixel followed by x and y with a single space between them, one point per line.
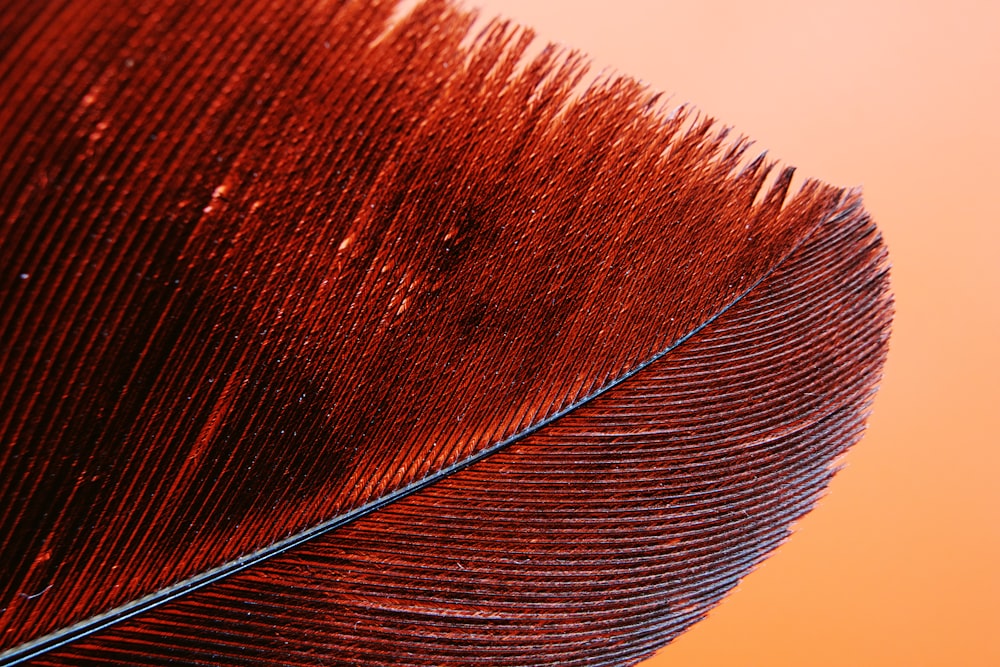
pixel 339 335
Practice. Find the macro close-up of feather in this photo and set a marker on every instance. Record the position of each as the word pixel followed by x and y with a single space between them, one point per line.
pixel 342 332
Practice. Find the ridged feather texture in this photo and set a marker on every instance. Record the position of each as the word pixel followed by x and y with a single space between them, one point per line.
pixel 331 336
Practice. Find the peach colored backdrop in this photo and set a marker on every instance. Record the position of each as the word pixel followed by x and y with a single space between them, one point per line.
pixel 900 564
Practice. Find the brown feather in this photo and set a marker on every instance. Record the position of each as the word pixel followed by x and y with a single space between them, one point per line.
pixel 329 338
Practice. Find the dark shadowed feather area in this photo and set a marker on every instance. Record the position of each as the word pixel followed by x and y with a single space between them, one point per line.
pixel 332 336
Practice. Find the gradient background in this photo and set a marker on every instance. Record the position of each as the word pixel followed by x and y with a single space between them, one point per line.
pixel 900 563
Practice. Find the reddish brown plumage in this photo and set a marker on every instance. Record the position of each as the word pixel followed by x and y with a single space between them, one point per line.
pixel 270 268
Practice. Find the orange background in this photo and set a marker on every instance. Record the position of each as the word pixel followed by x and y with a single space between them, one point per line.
pixel 900 563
